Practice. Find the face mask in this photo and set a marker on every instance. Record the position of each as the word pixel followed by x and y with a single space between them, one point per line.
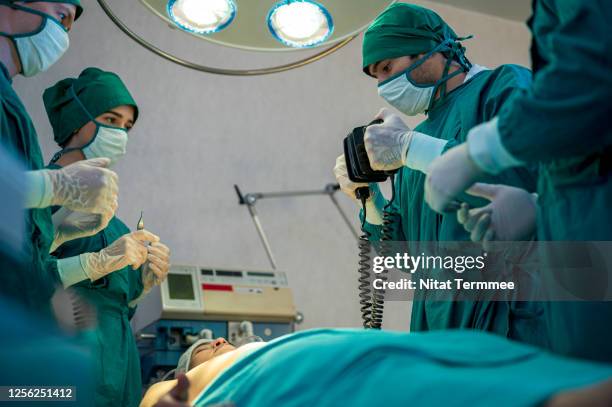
pixel 39 50
pixel 407 97
pixel 110 142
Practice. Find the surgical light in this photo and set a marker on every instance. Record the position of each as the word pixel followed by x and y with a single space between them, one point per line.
pixel 202 16
pixel 300 23
pixel 253 25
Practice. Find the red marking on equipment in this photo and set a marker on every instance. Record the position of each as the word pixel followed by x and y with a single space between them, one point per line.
pixel 217 287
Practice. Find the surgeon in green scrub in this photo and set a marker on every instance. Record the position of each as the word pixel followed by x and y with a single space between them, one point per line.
pixel 33 36
pixel 563 123
pixel 91 116
pixel 421 67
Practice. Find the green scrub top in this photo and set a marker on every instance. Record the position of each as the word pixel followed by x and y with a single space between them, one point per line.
pixel 117 362
pixel 563 122
pixel 34 286
pixel 344 367
pixel 476 101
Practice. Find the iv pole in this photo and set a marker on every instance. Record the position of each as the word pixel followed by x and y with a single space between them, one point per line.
pixel 251 199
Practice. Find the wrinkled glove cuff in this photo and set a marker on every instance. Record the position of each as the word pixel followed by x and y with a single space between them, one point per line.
pixel 373 214
pixel 487 151
pixel 423 150
pixel 86 265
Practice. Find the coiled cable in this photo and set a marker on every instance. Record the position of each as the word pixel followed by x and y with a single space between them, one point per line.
pixel 372 301
pixel 365 296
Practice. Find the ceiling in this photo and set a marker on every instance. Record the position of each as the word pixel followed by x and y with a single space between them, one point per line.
pixel 518 10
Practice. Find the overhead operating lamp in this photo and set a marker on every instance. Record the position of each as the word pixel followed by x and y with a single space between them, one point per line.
pixel 202 17
pixel 259 25
pixel 300 24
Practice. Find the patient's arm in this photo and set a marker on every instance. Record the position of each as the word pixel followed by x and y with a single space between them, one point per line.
pixel 199 377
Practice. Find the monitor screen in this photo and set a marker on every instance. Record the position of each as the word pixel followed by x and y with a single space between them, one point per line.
pixel 180 287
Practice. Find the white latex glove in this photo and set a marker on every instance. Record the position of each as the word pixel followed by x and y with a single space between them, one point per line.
pixel 155 270
pixel 511 215
pixel 387 143
pixel 346 185
pixel 128 250
pixel 86 186
pixel 70 225
pixel 373 214
pixel 448 176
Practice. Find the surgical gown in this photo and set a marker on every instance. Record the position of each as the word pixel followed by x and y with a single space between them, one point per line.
pixel 475 101
pixel 336 367
pixel 563 122
pixel 35 284
pixel 116 356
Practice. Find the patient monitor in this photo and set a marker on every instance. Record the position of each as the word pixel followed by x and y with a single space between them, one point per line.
pixel 206 302
pixel 192 292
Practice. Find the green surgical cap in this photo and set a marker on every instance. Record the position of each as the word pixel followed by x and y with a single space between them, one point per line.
pixel 77 3
pixel 97 91
pixel 401 30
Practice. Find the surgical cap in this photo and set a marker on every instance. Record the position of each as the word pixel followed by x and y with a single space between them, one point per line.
pixel 402 30
pixel 77 3
pixel 98 92
pixel 185 359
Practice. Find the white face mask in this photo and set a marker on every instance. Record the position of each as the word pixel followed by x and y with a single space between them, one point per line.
pixel 110 142
pixel 412 98
pixel 38 52
pixel 405 96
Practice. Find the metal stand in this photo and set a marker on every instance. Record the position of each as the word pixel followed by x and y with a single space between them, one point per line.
pixel 251 199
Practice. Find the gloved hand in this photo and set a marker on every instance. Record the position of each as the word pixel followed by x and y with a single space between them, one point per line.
pixel 511 215
pixel 387 143
pixel 448 176
pixel 373 214
pixel 346 185
pixel 70 225
pixel 128 250
pixel 155 270
pixel 86 186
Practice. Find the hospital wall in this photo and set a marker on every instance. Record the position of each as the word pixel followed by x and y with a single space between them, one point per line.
pixel 200 134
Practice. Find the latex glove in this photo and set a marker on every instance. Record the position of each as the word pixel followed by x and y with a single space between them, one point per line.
pixel 128 250
pixel 70 225
pixel 373 213
pixel 448 176
pixel 86 186
pixel 511 215
pixel 346 185
pixel 156 268
pixel 387 143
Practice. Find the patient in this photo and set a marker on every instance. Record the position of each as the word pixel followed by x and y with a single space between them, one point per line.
pixel 201 363
pixel 368 367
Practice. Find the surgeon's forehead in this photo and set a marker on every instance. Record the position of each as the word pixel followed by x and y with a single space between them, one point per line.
pixel 67 7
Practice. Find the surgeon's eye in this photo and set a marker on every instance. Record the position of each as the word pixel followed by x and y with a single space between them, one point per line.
pixel 64 19
pixel 386 68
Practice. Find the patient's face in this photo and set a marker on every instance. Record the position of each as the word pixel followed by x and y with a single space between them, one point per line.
pixel 206 352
